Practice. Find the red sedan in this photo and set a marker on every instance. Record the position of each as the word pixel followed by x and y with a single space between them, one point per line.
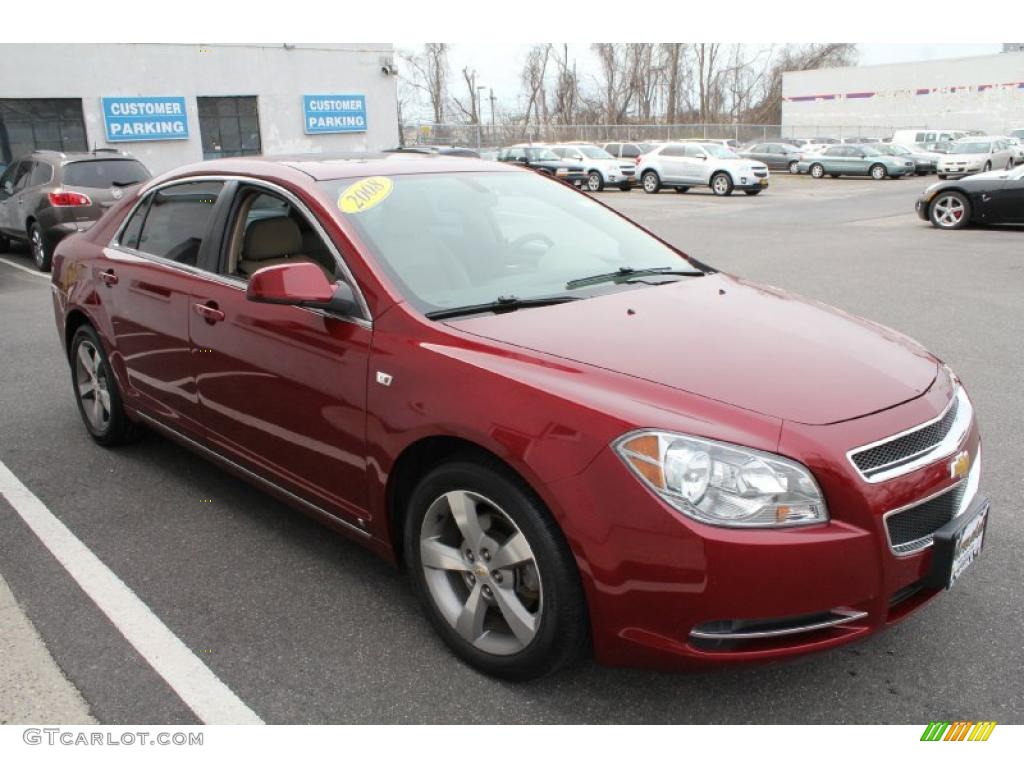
pixel 569 433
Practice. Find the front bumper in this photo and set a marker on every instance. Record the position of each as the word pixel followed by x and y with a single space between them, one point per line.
pixel 921 207
pixel 666 591
pixel 742 181
pixel 958 171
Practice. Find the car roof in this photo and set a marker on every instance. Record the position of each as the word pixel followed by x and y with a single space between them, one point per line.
pixel 321 167
pixel 75 157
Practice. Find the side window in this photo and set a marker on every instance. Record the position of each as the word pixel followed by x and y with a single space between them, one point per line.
pixel 130 235
pixel 266 230
pixel 630 150
pixel 561 152
pixel 694 150
pixel 42 173
pixel 759 148
pixel 613 149
pixel 7 180
pixel 673 151
pixel 21 176
pixel 178 220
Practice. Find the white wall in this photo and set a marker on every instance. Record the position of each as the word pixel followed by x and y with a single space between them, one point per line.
pixel 277 76
pixel 980 92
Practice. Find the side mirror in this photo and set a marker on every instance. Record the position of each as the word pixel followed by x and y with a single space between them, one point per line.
pixel 301 284
pixel 8 188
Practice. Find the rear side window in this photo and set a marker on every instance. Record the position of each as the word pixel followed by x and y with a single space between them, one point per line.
pixel 132 230
pixel 612 149
pixel 673 152
pixel 178 220
pixel 41 174
pixel 101 174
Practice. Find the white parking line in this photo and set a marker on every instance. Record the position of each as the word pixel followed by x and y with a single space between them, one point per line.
pixel 33 272
pixel 201 690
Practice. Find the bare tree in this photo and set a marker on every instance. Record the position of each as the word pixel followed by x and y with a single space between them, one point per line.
pixel 533 75
pixel 565 99
pixel 671 58
pixel 616 80
pixel 429 70
pixel 471 113
pixel 646 78
pixel 706 60
pixel 794 58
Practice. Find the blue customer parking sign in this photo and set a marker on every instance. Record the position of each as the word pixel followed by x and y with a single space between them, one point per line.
pixel 145 118
pixel 338 113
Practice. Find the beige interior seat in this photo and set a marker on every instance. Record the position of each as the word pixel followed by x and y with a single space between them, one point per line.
pixel 269 242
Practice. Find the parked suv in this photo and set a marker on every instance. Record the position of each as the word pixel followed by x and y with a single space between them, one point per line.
pixel 602 169
pixel 543 160
pixel 47 195
pixel 685 165
pixel 627 150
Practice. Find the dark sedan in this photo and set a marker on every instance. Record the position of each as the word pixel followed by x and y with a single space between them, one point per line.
pixel 996 197
pixel 543 160
pixel 778 156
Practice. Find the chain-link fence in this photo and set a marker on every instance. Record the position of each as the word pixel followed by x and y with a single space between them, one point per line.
pixel 478 136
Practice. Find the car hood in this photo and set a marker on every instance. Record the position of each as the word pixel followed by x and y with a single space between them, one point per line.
pixel 752 346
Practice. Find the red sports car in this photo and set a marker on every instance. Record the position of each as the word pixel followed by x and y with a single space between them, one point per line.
pixel 570 434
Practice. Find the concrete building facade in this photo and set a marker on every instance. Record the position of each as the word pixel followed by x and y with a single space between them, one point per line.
pixel 171 104
pixel 974 93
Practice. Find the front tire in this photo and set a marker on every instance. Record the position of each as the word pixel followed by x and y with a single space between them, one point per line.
pixel 988 167
pixel 651 182
pixel 721 184
pixel 42 255
pixel 96 391
pixel 595 182
pixel 818 171
pixel 950 210
pixel 493 572
pixel 5 244
pixel 794 167
pixel 878 172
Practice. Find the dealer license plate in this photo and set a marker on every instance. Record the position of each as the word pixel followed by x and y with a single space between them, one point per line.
pixel 958 544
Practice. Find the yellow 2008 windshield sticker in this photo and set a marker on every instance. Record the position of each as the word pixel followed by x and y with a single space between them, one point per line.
pixel 365 194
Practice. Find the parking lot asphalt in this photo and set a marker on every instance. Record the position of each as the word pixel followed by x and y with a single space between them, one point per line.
pixel 306 627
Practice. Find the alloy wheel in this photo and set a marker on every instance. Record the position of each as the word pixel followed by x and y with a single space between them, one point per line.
pixel 948 211
pixel 794 167
pixel 650 182
pixel 481 573
pixel 720 184
pixel 93 387
pixel 594 183
pixel 38 247
pixel 817 171
pixel 877 173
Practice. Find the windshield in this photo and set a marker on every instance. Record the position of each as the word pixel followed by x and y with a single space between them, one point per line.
pixel 456 239
pixel 540 153
pixel 100 174
pixel 971 148
pixel 595 153
pixel 717 150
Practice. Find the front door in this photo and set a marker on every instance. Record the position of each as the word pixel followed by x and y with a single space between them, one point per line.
pixel 282 389
pixel 1008 201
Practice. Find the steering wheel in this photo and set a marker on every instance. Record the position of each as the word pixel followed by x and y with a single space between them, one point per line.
pixel 530 237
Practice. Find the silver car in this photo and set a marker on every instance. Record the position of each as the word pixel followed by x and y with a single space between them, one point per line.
pixel 976 154
pixel 684 165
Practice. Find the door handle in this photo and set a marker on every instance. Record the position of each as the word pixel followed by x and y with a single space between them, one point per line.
pixel 108 277
pixel 209 312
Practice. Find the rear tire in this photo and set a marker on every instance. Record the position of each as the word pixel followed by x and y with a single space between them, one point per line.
pixel 941 175
pixel 42 255
pixel 651 182
pixel 96 391
pixel 465 600
pixel 988 167
pixel 5 244
pixel 721 184
pixel 878 172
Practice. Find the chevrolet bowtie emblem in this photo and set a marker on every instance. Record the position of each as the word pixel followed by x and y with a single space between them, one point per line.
pixel 960 466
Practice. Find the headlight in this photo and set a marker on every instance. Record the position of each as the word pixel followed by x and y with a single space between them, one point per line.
pixel 723 484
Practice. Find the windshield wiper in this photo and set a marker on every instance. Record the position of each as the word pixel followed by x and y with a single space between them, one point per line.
pixel 625 274
pixel 500 304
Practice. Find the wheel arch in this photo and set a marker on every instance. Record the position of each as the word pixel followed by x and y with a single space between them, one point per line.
pixel 961 190
pixel 420 457
pixel 75 319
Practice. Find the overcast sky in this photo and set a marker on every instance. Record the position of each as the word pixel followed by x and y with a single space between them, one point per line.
pixel 498 64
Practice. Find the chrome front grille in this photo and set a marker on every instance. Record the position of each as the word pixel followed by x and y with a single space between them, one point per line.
pixel 898 454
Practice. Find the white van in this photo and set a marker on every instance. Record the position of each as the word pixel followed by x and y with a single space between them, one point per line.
pixel 925 136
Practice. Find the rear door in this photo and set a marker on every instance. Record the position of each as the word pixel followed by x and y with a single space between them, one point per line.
pixel 146 279
pixel 1008 201
pixel 12 184
pixel 672 162
pixel 282 389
